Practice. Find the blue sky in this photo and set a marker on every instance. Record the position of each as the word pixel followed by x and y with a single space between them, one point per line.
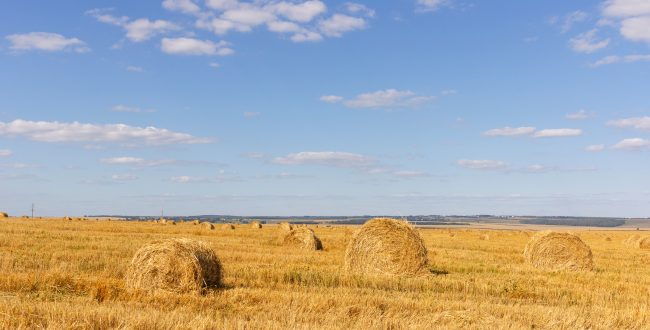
pixel 325 107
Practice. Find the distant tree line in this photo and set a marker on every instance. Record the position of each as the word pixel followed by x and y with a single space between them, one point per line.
pixel 564 221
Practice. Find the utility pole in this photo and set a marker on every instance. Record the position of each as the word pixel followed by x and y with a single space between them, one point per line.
pixel 32 211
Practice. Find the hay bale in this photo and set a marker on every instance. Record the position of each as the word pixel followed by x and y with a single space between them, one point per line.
pixel 643 243
pixel 285 226
pixel 386 246
pixel 256 224
pixel 558 251
pixel 484 237
pixel 4 215
pixel 196 222
pixel 228 226
pixel 632 240
pixel 302 237
pixel 178 265
pixel 67 218
pixel 207 225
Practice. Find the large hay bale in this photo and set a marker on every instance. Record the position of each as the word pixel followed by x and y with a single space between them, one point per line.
pixel 386 246
pixel 558 251
pixel 228 226
pixel 302 237
pixel 256 224
pixel 632 240
pixel 643 243
pixel 4 215
pixel 176 265
pixel 285 226
pixel 207 225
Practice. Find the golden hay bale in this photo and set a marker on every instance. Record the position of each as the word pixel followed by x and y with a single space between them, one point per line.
pixel 632 240
pixel 4 215
pixel 302 237
pixel 558 251
pixel 256 225
pixel 643 243
pixel 609 239
pixel 228 226
pixel 175 265
pixel 207 225
pixel 285 226
pixel 484 237
pixel 386 246
pixel 67 218
pixel 196 222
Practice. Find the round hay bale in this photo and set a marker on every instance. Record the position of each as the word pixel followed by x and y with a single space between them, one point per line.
pixel 256 225
pixel 67 218
pixel 176 265
pixel 4 215
pixel 632 240
pixel 643 243
pixel 558 251
pixel 386 246
pixel 302 237
pixel 609 239
pixel 228 226
pixel 207 225
pixel 285 226
pixel 484 237
pixel 196 222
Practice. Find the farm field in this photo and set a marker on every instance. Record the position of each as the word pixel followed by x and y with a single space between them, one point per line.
pixel 57 274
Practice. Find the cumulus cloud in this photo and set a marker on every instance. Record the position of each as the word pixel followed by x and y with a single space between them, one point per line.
pixel 125 108
pixel 626 8
pixel 642 123
pixel 325 158
pixel 45 41
pixel 595 148
pixel 137 30
pixel 612 59
pixel 571 19
pixel 5 153
pixel 190 46
pixel 388 99
pixel 338 24
pixel 580 115
pixel 54 131
pixel 510 131
pixel 185 6
pixel 430 5
pixel 558 132
pixel 483 164
pixel 357 8
pixel 331 98
pixel 588 42
pixel 633 16
pixel 124 177
pixel 633 144
pixel 136 161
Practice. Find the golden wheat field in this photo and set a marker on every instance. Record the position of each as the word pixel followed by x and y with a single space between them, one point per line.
pixel 57 274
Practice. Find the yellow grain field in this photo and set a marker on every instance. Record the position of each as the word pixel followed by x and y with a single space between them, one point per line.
pixel 58 274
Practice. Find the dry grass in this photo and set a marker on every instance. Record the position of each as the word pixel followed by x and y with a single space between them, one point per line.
pixel 302 237
pixel 387 247
pixel 70 275
pixel 177 265
pixel 558 251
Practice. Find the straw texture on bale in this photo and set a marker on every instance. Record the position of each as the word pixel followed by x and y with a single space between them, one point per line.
pixel 178 265
pixel 643 243
pixel 228 226
pixel 386 247
pixel 302 237
pixel 207 225
pixel 256 225
pixel 632 240
pixel 558 251
pixel 4 215
pixel 285 226
pixel 196 222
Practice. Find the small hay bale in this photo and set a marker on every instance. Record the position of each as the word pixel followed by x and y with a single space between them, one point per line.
pixel 207 225
pixel 67 218
pixel 228 226
pixel 285 226
pixel 4 215
pixel 558 251
pixel 256 225
pixel 609 239
pixel 302 237
pixel 484 237
pixel 196 222
pixel 643 243
pixel 386 246
pixel 178 265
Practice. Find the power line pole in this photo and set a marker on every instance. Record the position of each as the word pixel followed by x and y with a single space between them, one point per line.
pixel 32 211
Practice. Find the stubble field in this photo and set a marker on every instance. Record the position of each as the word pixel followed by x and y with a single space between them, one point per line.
pixel 58 274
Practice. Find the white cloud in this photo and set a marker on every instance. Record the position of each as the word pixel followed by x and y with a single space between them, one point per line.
pixel 588 42
pixel 188 179
pixel 185 6
pixel 430 5
pixel 633 144
pixel 190 46
pixel 642 123
pixel 221 4
pixel 572 18
pixel 331 98
pixel 580 115
pixel 558 132
pixel 636 29
pixel 124 177
pixel 54 131
pixel 389 98
pixel 45 41
pixel 5 153
pixel 488 165
pixel 510 131
pixel 612 59
pixel 300 12
pixel 634 16
pixel 626 8
pixel 595 148
pixel 325 158
pixel 138 30
pixel 125 108
pixel 357 8
pixel 249 16
pixel 338 24
pixel 139 162
pixel 410 174
pixel 132 68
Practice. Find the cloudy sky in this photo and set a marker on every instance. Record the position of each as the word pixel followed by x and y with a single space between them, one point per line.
pixel 325 107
